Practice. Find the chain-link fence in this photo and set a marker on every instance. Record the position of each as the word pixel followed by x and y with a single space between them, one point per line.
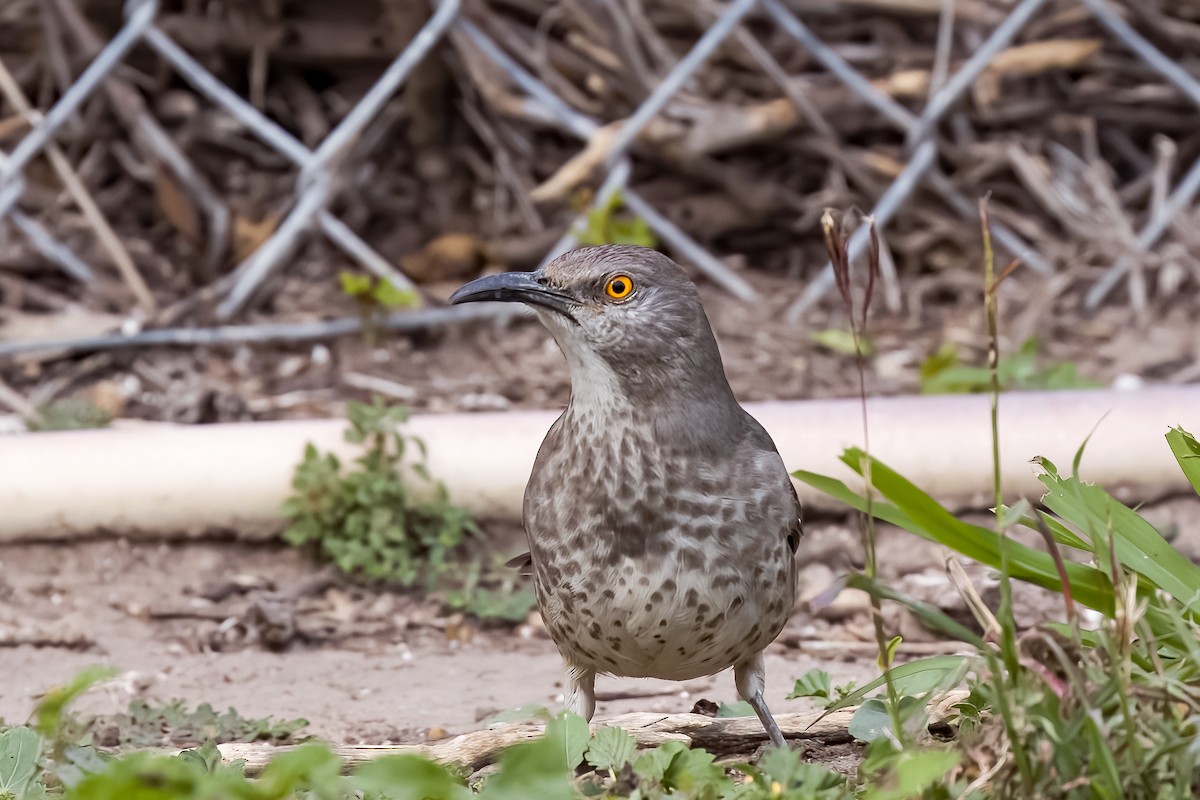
pixel 609 148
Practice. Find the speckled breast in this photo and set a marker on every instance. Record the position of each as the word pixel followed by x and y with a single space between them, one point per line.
pixel 655 564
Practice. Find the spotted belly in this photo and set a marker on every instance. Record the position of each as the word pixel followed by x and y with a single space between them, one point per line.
pixel 663 619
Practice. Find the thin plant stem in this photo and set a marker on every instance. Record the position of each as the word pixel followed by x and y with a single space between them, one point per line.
pixel 839 252
pixel 990 286
pixel 1008 637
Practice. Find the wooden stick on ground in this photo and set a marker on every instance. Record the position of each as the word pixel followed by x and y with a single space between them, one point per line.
pixel 477 749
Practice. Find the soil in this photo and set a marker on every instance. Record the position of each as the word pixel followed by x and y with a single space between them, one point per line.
pixel 268 631
pixel 389 667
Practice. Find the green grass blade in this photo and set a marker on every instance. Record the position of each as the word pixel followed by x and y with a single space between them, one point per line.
pixel 915 677
pixel 1138 546
pixel 930 614
pixel 840 491
pixel 1187 453
pixel 1061 533
pixel 889 513
pixel 917 512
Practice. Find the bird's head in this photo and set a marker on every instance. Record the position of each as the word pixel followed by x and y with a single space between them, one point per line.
pixel 622 309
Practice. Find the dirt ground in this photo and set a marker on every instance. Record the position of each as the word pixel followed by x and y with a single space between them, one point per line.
pixel 185 620
pixel 265 630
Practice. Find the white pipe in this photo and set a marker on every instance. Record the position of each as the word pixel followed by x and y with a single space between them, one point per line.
pixel 160 480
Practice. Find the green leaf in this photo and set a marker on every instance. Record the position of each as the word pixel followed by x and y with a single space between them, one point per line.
pixel 532 769
pixel 936 363
pixel 890 653
pixel 206 757
pixel 912 772
pixel 611 748
pixel 603 226
pixel 20 749
pixel 842 342
pixel 309 766
pixel 569 732
pixel 739 709
pixel 814 683
pixel 652 765
pixel 409 777
pixel 389 296
pixel 70 414
pixel 1104 765
pixel 83 761
pixel 368 523
pixel 1186 449
pixel 49 712
pixel 871 720
pixel 355 285
pixel 787 767
pixel 693 773
pixel 1061 533
pixel 931 615
pixel 142 776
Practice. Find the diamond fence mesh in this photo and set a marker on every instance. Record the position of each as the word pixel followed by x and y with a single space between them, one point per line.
pixel 996 41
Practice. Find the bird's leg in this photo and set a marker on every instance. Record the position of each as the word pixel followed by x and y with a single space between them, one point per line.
pixel 750 676
pixel 581 692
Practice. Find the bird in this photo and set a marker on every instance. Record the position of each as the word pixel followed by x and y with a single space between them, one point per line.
pixel 662 523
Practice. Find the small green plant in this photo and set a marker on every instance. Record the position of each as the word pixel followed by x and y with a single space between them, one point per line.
pixel 368 519
pixel 605 225
pixel 375 296
pixel 161 724
pixel 844 343
pixel 944 373
pixel 70 415
pixel 376 292
pixel 58 754
pixel 490 590
pixel 818 684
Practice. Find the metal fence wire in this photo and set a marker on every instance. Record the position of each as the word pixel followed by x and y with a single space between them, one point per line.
pixel 317 185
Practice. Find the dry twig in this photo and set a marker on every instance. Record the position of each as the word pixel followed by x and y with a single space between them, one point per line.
pixel 719 735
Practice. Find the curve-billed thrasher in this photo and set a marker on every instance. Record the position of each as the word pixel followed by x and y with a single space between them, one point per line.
pixel 662 522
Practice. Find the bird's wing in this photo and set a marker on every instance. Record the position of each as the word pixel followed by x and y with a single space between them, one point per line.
pixel 761 440
pixel 796 529
pixel 523 564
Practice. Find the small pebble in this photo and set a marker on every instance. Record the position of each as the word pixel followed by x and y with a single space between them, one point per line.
pixel 1127 382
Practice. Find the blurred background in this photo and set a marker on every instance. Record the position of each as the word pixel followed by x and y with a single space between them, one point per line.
pixel 273 163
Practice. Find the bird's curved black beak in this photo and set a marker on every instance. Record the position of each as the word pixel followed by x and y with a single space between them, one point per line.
pixel 514 287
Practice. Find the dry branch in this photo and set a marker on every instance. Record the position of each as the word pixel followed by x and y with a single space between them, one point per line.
pixel 477 749
pixel 83 198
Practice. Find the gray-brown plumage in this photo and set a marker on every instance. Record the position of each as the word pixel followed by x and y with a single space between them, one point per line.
pixel 662 522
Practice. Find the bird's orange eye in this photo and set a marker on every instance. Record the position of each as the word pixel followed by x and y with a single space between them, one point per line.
pixel 619 287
